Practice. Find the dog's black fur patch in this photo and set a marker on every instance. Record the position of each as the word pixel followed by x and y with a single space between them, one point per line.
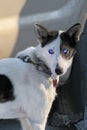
pixel 44 35
pixel 69 40
pixel 6 89
pixel 49 38
pixel 69 44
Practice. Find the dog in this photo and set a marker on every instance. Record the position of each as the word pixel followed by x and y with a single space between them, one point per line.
pixel 28 89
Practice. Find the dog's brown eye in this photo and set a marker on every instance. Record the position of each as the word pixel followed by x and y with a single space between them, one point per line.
pixel 65 51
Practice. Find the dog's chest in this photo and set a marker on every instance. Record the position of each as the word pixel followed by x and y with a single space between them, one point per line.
pixel 41 101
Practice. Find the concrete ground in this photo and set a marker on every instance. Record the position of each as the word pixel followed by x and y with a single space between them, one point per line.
pixel 10 125
pixel 15 125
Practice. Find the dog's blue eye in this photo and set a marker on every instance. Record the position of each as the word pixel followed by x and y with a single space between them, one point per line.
pixel 65 51
pixel 51 51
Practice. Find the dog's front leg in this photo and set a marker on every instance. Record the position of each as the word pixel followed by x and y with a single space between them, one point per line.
pixel 26 124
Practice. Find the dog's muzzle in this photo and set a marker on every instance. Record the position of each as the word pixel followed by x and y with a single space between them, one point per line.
pixel 58 70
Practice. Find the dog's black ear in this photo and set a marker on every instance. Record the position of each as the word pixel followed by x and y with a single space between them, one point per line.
pixel 74 32
pixel 41 32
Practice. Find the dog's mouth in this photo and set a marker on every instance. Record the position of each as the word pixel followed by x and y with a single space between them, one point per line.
pixel 55 79
pixel 43 67
pixel 55 83
pixel 53 76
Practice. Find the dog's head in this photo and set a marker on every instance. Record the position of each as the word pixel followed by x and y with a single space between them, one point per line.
pixel 57 48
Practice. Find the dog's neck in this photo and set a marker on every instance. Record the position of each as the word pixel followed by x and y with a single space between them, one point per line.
pixel 37 62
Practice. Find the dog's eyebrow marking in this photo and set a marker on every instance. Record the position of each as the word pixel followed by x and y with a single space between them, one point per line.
pixel 6 89
pixel 50 37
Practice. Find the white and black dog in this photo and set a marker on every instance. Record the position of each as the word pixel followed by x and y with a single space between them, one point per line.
pixel 27 90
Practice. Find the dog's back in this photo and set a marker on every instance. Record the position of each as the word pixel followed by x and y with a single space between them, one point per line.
pixel 26 92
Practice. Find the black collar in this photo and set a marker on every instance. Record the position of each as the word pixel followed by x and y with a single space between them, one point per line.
pixel 39 64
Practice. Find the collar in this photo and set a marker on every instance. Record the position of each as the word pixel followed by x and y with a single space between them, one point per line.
pixel 39 64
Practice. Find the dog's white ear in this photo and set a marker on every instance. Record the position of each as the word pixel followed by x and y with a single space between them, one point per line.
pixel 41 32
pixel 74 32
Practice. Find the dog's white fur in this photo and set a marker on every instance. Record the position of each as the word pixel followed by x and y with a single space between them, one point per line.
pixel 66 65
pixel 33 90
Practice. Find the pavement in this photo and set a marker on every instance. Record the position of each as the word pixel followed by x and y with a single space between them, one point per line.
pixel 15 125
pixel 10 125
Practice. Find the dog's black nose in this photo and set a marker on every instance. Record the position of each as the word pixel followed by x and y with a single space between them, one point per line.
pixel 58 71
